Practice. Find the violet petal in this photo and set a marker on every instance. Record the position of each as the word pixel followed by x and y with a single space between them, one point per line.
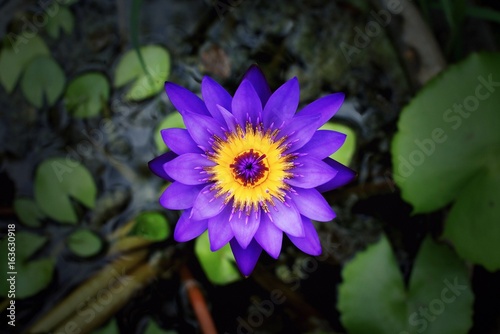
pixel 179 141
pixel 326 107
pixel 323 143
pixel 219 229
pixel 188 168
pixel 343 177
pixel 156 165
pixel 269 236
pixel 184 100
pixel 246 259
pixel 244 227
pixel 213 95
pixel 206 205
pixel 179 196
pixel 187 229
pixel 244 104
pixel 285 216
pixel 310 173
pixel 312 204
pixel 259 83
pixel 310 243
pixel 282 104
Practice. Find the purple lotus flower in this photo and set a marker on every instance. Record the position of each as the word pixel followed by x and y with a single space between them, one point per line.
pixel 249 168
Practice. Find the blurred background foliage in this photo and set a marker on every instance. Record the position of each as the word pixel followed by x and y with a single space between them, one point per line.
pixel 414 246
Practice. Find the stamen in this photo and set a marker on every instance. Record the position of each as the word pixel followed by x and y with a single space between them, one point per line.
pixel 250 167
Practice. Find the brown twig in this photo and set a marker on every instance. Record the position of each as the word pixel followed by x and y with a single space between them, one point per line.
pixel 198 302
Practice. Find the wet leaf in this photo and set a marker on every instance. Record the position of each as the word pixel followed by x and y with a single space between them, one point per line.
pixel 13 60
pixel 219 266
pixel 42 81
pixel 63 20
pixel 152 226
pixel 345 153
pixel 56 182
pixel 84 243
pixel 129 70
pixel 26 244
pixel 373 298
pixel 173 120
pixel 28 212
pixel 87 94
pixel 447 149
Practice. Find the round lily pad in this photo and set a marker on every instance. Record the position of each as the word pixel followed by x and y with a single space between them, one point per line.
pixel 84 243
pixel 28 212
pixel 63 20
pixel 373 297
pixel 447 149
pixel 57 182
pixel 23 270
pixel 13 60
pixel 87 94
pixel 147 83
pixel 152 226
pixel 43 81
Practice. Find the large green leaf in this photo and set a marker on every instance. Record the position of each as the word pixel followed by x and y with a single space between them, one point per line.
pixel 345 153
pixel 173 120
pixel 145 84
pixel 219 266
pixel 84 243
pixel 56 182
pixel 152 226
pixel 43 80
pixel 373 298
pixel 26 244
pixel 448 149
pixel 472 224
pixel 63 20
pixel 28 212
pixel 13 60
pixel 87 94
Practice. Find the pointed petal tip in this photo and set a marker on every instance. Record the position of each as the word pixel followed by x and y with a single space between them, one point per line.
pixel 246 259
pixel 156 165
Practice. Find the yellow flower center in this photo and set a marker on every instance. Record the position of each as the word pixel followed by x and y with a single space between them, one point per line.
pixel 250 168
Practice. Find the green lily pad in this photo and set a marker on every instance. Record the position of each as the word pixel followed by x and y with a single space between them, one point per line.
pixel 373 298
pixel 63 20
pixel 13 60
pixel 472 223
pixel 345 153
pixel 26 244
pixel 84 243
pixel 56 181
pixel 144 85
pixel 173 120
pixel 28 212
pixel 448 149
pixel 87 94
pixel 219 266
pixel 152 226
pixel 42 80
